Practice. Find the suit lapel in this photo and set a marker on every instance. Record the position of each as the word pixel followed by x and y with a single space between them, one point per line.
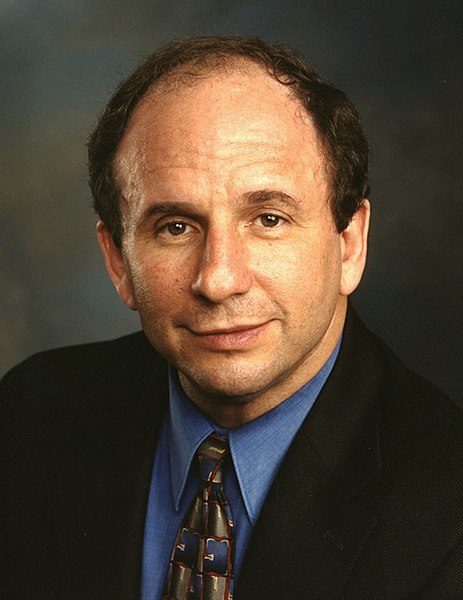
pixel 100 499
pixel 320 510
pixel 145 432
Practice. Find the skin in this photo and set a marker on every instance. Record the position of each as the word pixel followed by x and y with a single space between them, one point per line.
pixel 230 253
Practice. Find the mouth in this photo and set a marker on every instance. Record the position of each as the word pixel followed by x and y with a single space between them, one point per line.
pixel 229 330
pixel 236 337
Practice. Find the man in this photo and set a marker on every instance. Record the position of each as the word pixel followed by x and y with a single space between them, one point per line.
pixel 231 184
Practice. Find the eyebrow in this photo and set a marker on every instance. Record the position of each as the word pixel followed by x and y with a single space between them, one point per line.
pixel 166 208
pixel 271 196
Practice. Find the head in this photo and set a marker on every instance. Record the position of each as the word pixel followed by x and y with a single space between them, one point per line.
pixel 228 236
pixel 335 118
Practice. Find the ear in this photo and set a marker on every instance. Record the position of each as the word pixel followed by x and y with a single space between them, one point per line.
pixel 354 241
pixel 115 265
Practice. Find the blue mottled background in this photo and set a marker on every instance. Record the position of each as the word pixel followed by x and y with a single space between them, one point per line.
pixel 400 61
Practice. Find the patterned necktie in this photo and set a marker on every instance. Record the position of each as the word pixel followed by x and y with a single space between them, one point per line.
pixel 201 563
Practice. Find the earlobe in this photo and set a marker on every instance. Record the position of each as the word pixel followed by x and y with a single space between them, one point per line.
pixel 115 265
pixel 354 243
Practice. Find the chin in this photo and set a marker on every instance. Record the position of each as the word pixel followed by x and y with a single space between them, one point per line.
pixel 235 387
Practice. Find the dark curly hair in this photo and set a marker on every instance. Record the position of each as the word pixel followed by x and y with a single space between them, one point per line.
pixel 333 115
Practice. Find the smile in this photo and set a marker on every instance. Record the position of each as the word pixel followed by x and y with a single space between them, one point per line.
pixel 238 337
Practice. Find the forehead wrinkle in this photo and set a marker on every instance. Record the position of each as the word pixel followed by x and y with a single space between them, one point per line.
pixel 202 152
pixel 151 170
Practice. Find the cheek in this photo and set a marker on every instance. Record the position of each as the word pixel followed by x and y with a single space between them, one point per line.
pixel 304 277
pixel 159 284
pixel 297 266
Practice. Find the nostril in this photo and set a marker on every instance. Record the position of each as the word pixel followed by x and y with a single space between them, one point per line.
pixel 223 271
pixel 219 283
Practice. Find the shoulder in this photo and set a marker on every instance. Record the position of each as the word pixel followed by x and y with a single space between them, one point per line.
pixel 118 370
pixel 421 428
pixel 399 385
pixel 417 489
pixel 87 361
pixel 410 399
pixel 97 353
pixel 418 429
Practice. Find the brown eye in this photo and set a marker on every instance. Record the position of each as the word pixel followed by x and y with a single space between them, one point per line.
pixel 270 220
pixel 176 228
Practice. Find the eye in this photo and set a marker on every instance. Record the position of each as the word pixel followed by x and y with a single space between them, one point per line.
pixel 270 220
pixel 175 228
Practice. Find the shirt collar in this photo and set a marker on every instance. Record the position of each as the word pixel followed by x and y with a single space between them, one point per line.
pixel 187 428
pixel 257 448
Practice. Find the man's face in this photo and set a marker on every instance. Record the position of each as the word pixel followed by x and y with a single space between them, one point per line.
pixel 230 253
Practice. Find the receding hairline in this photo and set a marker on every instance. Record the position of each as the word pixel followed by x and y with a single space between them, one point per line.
pixel 196 71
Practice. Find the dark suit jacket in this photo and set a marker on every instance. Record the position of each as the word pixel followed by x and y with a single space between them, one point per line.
pixel 368 504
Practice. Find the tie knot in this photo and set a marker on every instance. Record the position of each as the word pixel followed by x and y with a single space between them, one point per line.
pixel 211 454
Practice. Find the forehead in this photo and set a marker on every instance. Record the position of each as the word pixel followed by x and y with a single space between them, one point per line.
pixel 234 117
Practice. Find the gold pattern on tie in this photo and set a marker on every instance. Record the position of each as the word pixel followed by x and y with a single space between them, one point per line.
pixel 201 563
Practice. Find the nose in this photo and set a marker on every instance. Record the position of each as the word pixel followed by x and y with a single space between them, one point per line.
pixel 223 270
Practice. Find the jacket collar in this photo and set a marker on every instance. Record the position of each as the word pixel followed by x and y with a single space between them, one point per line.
pixel 319 512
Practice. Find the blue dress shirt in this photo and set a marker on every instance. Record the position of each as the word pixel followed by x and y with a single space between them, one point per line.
pixel 257 450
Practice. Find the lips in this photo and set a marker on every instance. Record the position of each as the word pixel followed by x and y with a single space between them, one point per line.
pixel 228 330
pixel 236 337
